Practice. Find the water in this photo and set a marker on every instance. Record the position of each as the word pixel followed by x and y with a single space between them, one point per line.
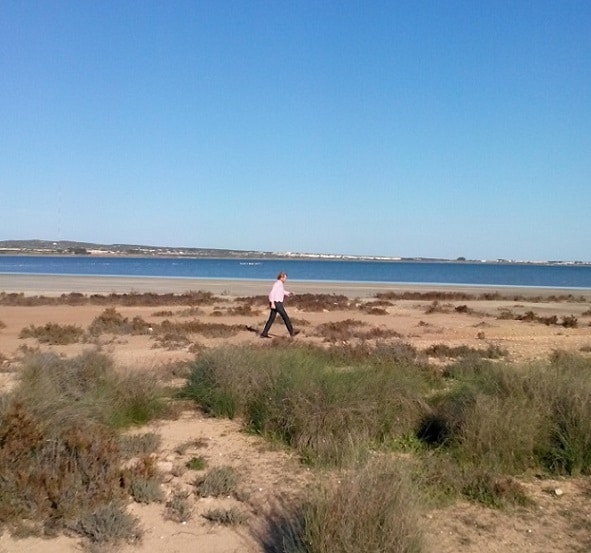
pixel 394 272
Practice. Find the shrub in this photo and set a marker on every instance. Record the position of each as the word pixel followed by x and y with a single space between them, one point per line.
pixel 321 302
pixel 60 457
pixel 196 463
pixel 52 471
pixel 88 386
pixel 178 507
pixel 136 399
pixel 494 491
pixel 209 330
pixel 443 350
pixel 112 322
pixel 309 398
pixel 226 517
pixel 133 445
pixel 512 419
pixel 145 490
pixel 375 509
pixel 570 321
pixel 109 523
pixel 217 482
pixel 53 334
pixel 344 331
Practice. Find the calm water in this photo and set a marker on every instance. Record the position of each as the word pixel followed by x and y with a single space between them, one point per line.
pixel 553 276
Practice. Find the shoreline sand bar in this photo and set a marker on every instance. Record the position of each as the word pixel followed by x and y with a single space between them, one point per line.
pixel 55 285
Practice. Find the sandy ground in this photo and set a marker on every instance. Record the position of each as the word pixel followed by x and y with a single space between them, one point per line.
pixel 557 523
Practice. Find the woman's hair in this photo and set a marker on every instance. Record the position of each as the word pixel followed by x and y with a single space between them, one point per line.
pixel 281 275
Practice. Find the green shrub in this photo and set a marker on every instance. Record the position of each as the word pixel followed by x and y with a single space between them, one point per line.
pixel 196 463
pixel 88 386
pixel 146 490
pixel 217 482
pixel 375 509
pixel 330 412
pixel 512 419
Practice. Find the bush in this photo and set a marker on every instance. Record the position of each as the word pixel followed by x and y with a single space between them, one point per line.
pixel 196 463
pixel 134 445
pixel 112 322
pixel 310 399
pixel 55 472
pixel 443 350
pixel 146 490
pixel 226 517
pixel 375 509
pixel 195 326
pixel 53 334
pixel 217 482
pixel 512 419
pixel 178 508
pixel 60 456
pixel 344 331
pixel 109 523
pixel 87 386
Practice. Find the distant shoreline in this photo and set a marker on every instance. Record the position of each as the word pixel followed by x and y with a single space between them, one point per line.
pixel 259 256
pixel 55 285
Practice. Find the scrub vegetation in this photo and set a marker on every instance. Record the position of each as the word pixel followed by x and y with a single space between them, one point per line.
pixel 472 432
pixel 391 430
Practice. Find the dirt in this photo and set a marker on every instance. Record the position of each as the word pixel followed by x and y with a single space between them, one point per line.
pixel 559 520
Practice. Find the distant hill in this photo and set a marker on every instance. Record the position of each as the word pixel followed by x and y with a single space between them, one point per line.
pixel 68 247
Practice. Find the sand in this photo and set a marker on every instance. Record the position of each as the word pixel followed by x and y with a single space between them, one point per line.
pixel 268 472
pixel 52 285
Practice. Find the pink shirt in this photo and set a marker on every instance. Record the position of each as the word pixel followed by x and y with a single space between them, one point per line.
pixel 277 292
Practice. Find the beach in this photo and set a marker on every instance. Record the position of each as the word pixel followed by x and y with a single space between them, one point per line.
pixel 52 285
pixel 524 325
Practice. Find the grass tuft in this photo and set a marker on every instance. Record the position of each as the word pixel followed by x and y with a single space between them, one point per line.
pixel 219 481
pixel 374 509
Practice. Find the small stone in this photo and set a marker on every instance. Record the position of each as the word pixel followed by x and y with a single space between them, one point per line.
pixel 558 492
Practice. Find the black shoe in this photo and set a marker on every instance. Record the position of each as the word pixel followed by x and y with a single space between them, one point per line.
pixel 295 333
pixel 265 336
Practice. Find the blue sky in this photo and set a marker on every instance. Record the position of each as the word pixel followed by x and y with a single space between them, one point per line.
pixel 399 128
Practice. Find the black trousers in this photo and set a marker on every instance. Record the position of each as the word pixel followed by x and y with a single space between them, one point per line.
pixel 273 313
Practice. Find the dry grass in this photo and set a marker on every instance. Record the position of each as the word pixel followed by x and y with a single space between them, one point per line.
pixel 110 321
pixel 53 334
pixel 376 508
pixel 178 507
pixel 219 481
pixel 351 329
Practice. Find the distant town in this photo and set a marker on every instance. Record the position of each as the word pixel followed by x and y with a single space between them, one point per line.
pixel 67 247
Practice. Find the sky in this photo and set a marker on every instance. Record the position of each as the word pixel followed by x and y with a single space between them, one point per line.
pixel 393 128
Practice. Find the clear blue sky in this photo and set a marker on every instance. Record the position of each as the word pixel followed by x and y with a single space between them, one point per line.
pixel 399 128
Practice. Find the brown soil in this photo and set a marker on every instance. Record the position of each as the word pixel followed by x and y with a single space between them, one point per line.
pixel 559 521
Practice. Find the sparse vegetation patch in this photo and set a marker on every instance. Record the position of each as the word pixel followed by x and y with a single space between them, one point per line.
pixel 53 334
